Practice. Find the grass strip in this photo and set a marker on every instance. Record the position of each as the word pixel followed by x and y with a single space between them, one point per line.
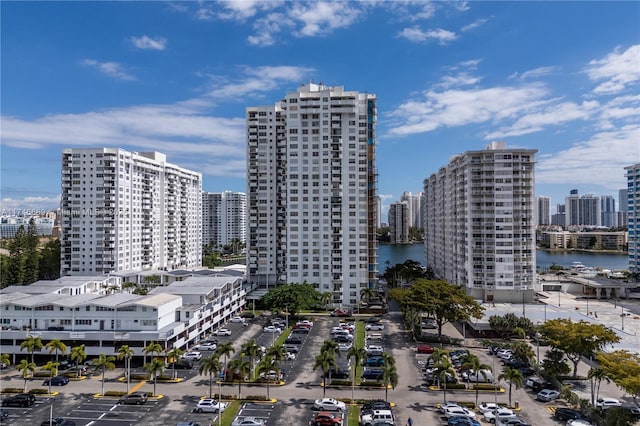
pixel 230 413
pixel 353 419
pixel 359 342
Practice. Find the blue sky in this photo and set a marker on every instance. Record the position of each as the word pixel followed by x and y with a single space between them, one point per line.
pixel 175 77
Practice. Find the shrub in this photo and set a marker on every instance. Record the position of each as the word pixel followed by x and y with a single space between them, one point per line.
pixel 454 386
pixel 12 390
pixel 45 374
pixel 485 386
pixel 139 376
pixel 38 391
pixel 115 393
pixel 256 397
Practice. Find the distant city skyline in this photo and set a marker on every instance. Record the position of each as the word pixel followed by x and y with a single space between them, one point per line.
pixel 449 77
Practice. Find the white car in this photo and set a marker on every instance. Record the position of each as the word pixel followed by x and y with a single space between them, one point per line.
pixel 578 422
pixel 459 412
pixel 344 346
pixel 608 402
pixel 488 406
pixel 290 356
pixel 505 353
pixel 500 413
pixel 206 346
pixel 222 332
pixel 271 375
pixel 248 421
pixel 374 327
pixel 237 319
pixel 193 356
pixel 209 405
pixel 329 404
pixel 271 329
pixel 305 322
pixel 546 395
pixel 447 405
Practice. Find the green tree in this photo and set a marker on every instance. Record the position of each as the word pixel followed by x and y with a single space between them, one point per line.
pixel 618 416
pixel 5 360
pixel 78 355
pixel 514 377
pixel 554 365
pixel 49 267
pixel 31 344
pixel 152 348
pixel 126 353
pixel 212 260
pixel 294 296
pixel 102 364
pixel 174 355
pixel 129 286
pixel 32 256
pixel 624 369
pixel 389 378
pixel 577 339
pixel 241 368
pixel 225 349
pixel 155 368
pixel 26 370
pixel 57 346
pixel 331 347
pixel 52 368
pixel 210 365
pixel 253 351
pixel 17 258
pixel 442 368
pixel 266 366
pixel 473 362
pixel 357 354
pixel 596 374
pixel 325 361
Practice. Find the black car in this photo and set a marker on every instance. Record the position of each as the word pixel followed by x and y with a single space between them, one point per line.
pixel 372 374
pixel 183 364
pixel 20 400
pixel 526 371
pixel 300 330
pixel 373 320
pixel 564 414
pixel 56 381
pixel 340 373
pixel 293 340
pixel 341 339
pixel 517 363
pixel 58 421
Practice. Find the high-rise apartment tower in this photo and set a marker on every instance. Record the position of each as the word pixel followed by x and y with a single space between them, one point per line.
pixel 543 211
pixel 128 211
pixel 479 223
pixel 399 217
pixel 633 215
pixel 311 191
pixel 224 218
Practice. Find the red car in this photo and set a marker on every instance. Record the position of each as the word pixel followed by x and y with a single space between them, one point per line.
pixel 424 349
pixel 341 313
pixel 327 418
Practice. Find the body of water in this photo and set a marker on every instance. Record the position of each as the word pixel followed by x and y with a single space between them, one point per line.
pixel 399 253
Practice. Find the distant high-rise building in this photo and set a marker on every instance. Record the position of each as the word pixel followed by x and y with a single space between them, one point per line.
pixel 633 211
pixel 311 194
pixel 479 224
pixel 560 217
pixel 582 210
pixel 608 211
pixel 622 207
pixel 414 204
pixel 543 211
pixel 224 218
pixel 128 211
pixel 399 222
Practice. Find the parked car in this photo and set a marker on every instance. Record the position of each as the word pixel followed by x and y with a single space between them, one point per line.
pixel 344 346
pixel 301 325
pixel 462 421
pixel 376 404
pixel 526 371
pixel 375 417
pixel 446 405
pixel 272 329
pixel 209 405
pixel 58 421
pixel 134 398
pixel 537 384
pixel 564 414
pixel 329 404
pixel 342 339
pixel 206 346
pixel 187 424
pixel 183 364
pixel 546 395
pixel 373 320
pixel 488 406
pixel 429 324
pixel 374 350
pixel 193 356
pixel 222 332
pixel 607 402
pixel 374 361
pixel 341 313
pixel 459 411
pixel 340 373
pixel 305 323
pixel 578 422
pixel 56 381
pixel 483 376
pixel 237 319
pixel 372 374
pixel 19 400
pixel 294 349
pixel 272 375
pixel 500 413
pixel 424 349
pixel 327 418
pixel 293 340
pixel 632 409
pixel 290 356
pixel 374 327
pixel 514 421
pixel 248 421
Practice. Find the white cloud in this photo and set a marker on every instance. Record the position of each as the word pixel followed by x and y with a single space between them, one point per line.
pixel 416 34
pixel 322 17
pixel 475 24
pixel 241 10
pixel 261 79
pixel 534 73
pixel 148 43
pixel 112 69
pixel 462 79
pixel 618 70
pixel 268 27
pixel 12 206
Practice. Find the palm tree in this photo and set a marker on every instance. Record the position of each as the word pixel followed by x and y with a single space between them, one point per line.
pixel 5 359
pixel 78 355
pixel 31 343
pixel 225 349
pixel 266 365
pixel 102 364
pixel 389 377
pixel 358 354
pixel 128 285
pixel 52 367
pixel 240 367
pixel 597 374
pixel 252 350
pixel 126 353
pixel 514 377
pixel 26 369
pixel 155 367
pixel 57 346
pixel 473 362
pixel 326 298
pixel 367 293
pixel 210 365
pixel 443 367
pixel 152 348
pixel 325 361
pixel 331 347
pixel 276 352
pixel 174 354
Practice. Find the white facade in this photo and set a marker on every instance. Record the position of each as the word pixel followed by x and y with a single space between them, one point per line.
pixel 479 223
pixel 632 207
pixel 543 211
pixel 414 204
pixel 224 217
pixel 125 210
pixel 311 191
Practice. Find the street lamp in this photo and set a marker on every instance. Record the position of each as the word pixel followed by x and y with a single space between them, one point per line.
pixel 622 316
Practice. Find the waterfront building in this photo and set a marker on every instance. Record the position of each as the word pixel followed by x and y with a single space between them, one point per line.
pixel 622 207
pixel 414 203
pixel 633 216
pixel 128 211
pixel 399 222
pixel 9 225
pixel 479 222
pixel 543 212
pixel 224 218
pixel 608 211
pixel 311 191
pixel 582 210
pixel 592 240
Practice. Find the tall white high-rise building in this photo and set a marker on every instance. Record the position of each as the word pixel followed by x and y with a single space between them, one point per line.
pixel 608 215
pixel 128 211
pixel 543 211
pixel 311 191
pixel 479 223
pixel 224 218
pixel 633 216
pixel 399 222
pixel 414 204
